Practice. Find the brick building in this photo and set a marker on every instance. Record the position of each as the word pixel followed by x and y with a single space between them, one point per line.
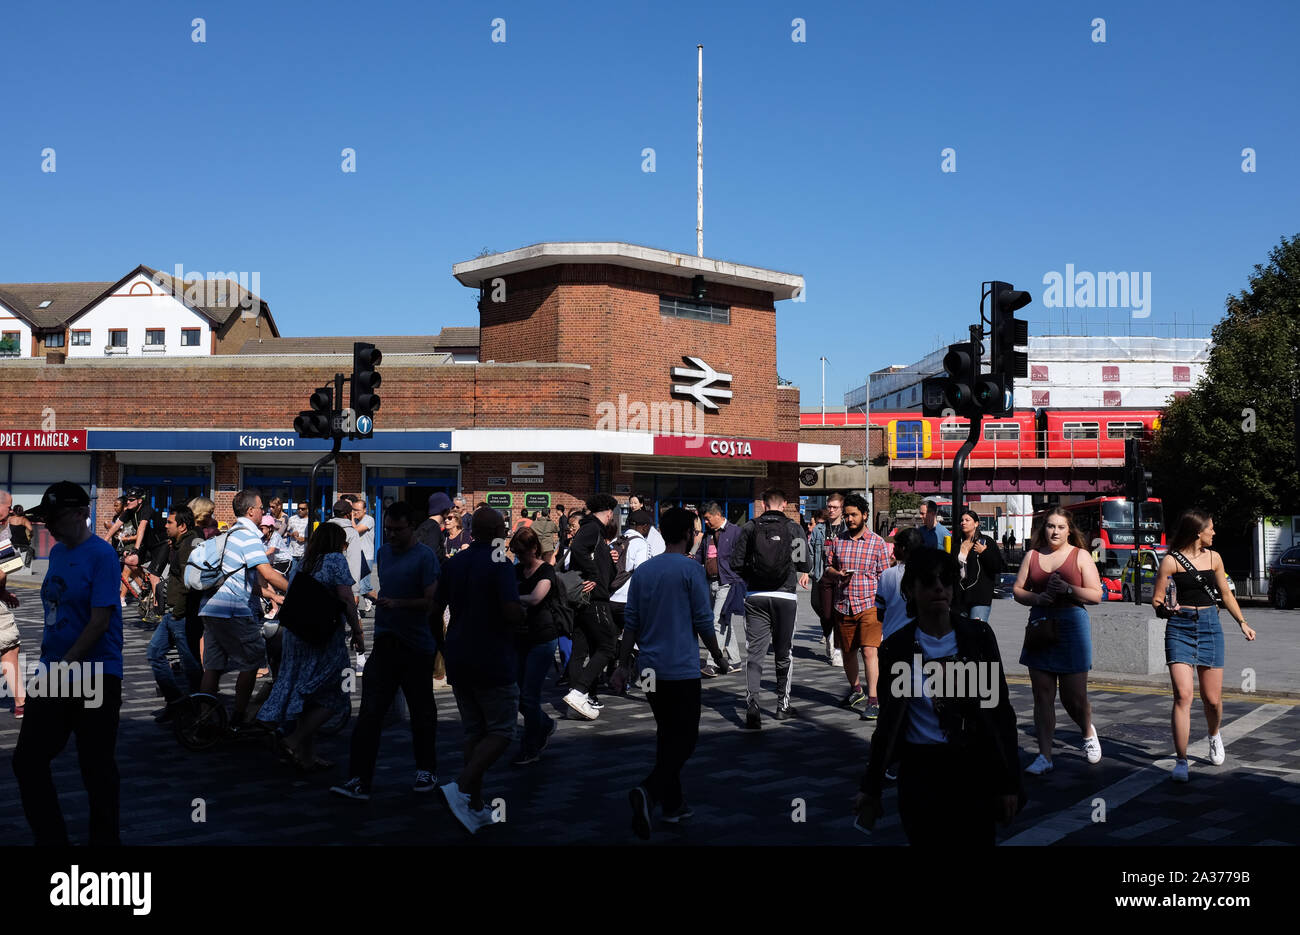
pixel 595 366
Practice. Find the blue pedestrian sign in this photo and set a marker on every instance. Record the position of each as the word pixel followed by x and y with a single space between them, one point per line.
pixel 365 425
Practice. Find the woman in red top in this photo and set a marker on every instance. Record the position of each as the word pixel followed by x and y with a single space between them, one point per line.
pixel 1056 579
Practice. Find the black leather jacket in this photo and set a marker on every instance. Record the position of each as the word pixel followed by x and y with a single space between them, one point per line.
pixel 991 731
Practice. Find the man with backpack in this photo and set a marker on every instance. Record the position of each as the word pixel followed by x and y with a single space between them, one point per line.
pixel 593 634
pixel 171 629
pixel 232 568
pixel 771 554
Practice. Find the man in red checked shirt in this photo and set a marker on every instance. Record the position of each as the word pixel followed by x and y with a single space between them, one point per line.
pixel 855 563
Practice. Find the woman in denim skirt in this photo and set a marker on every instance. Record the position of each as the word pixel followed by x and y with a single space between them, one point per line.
pixel 1058 577
pixel 1193 636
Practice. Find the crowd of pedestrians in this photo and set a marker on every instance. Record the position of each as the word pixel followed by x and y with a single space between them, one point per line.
pixel 600 606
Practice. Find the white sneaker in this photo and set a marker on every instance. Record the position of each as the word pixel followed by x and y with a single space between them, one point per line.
pixel 1092 746
pixel 458 803
pixel 580 703
pixel 1040 765
pixel 837 658
pixel 1180 771
pixel 1217 755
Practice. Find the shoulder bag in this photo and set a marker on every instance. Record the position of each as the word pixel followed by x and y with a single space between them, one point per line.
pixel 311 610
pixel 1210 589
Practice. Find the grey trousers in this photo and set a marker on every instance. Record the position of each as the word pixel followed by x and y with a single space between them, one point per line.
pixel 728 633
pixel 769 622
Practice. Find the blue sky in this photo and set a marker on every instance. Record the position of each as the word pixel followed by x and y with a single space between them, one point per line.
pixel 822 158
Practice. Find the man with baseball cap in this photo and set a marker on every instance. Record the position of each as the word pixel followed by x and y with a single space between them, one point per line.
pixel 430 532
pixel 83 626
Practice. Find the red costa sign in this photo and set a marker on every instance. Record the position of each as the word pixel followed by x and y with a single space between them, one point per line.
pixel 43 441
pixel 707 446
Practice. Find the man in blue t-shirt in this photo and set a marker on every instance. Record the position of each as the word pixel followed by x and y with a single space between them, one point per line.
pixel 78 689
pixel 668 609
pixel 479 585
pixel 402 656
pixel 933 532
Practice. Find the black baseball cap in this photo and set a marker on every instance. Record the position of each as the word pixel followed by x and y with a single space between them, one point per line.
pixel 135 493
pixel 59 498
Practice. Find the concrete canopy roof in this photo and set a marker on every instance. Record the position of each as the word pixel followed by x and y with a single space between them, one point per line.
pixel 473 272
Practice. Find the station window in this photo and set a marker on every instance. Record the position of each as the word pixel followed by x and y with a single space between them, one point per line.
pixel 81 338
pixel 189 337
pixel 672 307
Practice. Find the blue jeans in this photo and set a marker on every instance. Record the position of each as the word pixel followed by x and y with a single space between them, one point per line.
pixel 534 663
pixel 171 632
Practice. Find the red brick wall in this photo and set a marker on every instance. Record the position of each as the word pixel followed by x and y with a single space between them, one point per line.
pixel 608 317
pixel 567 478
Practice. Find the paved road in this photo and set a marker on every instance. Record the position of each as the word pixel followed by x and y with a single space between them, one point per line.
pixel 745 788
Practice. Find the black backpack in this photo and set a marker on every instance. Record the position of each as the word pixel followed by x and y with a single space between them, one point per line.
pixel 621 573
pixel 771 556
pixel 568 598
pixel 311 610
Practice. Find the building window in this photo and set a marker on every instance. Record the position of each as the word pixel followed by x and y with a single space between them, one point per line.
pixel 81 338
pixel 9 341
pixel 915 390
pixel 684 308
pixel 1110 374
pixel 1080 431
pixel 1110 397
pixel 1040 398
pixel 1125 429
pixel 1038 373
pixel 1002 432
pixel 1182 374
pixel 189 337
pixel 117 337
pixel 155 336
pixel 55 340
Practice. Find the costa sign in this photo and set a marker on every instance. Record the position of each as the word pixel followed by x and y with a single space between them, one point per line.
pixel 706 446
pixel 43 441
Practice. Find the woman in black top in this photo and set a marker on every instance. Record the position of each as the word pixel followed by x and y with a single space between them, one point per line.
pixel 1193 636
pixel 953 737
pixel 981 564
pixel 20 534
pixel 536 645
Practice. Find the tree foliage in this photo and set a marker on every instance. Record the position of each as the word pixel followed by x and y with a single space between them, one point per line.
pixel 1230 444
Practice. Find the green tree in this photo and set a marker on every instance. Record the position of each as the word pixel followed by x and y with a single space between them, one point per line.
pixel 1230 444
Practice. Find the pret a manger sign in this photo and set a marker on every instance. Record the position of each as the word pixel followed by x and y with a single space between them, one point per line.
pixel 42 441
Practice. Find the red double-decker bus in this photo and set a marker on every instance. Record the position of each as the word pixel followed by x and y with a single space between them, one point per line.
pixel 1107 527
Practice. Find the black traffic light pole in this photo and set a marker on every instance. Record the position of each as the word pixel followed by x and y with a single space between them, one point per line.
pixel 1134 483
pixel 324 460
pixel 959 462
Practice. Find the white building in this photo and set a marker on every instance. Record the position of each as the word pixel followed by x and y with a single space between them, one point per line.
pixel 1066 373
pixel 146 313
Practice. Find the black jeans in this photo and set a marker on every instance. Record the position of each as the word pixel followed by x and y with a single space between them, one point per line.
pixel 391 666
pixel 593 641
pixel 676 706
pixel 938 811
pixel 47 724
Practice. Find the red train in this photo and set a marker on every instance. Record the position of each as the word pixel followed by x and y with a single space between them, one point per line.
pixel 1070 434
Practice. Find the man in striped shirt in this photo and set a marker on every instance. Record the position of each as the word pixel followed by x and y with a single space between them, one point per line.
pixel 855 562
pixel 231 615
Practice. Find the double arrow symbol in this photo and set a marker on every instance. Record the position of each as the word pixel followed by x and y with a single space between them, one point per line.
pixel 703 390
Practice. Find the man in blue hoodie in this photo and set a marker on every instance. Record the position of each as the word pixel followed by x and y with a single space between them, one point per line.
pixel 668 609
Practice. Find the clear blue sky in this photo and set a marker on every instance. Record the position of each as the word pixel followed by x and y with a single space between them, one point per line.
pixel 821 158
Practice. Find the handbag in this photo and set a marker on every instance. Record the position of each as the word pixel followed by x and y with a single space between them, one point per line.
pixel 310 610
pixel 1041 634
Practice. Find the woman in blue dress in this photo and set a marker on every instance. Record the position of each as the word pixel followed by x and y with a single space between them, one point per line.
pixel 309 687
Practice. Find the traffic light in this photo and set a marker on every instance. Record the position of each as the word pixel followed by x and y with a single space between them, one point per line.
pixel 365 380
pixel 1136 480
pixel 318 421
pixel 954 393
pixel 1009 333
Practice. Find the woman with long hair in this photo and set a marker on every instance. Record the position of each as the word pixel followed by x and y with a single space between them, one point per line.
pixel 205 522
pixel 308 688
pixel 1193 635
pixel 536 646
pixel 981 563
pixel 1057 578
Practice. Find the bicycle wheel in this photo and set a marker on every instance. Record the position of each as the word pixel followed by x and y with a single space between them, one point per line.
pixel 202 723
